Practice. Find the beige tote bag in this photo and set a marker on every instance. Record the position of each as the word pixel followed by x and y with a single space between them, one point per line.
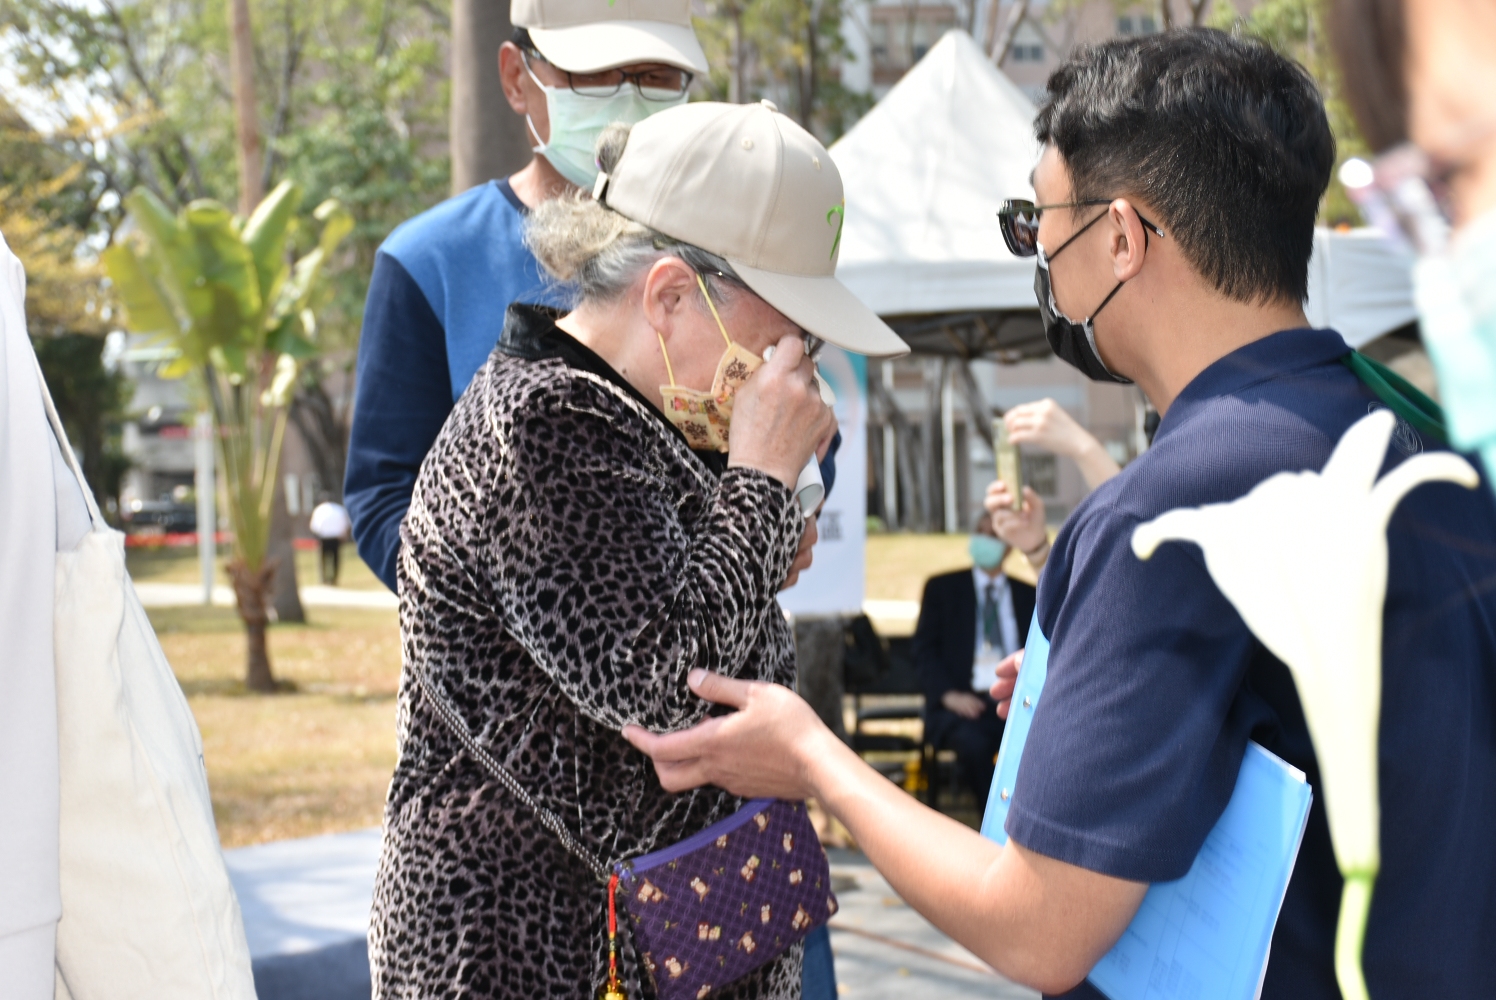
pixel 147 908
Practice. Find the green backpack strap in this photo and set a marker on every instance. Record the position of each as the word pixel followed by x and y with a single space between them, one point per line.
pixel 1401 396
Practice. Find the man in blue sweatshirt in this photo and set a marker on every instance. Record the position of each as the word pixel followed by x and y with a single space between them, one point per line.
pixel 442 280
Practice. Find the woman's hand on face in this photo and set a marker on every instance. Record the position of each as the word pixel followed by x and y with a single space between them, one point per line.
pixel 778 418
pixel 756 752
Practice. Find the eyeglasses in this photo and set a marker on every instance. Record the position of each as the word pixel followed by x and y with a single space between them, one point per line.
pixel 656 83
pixel 1019 221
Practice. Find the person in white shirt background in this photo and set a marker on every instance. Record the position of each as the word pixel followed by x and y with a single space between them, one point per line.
pixel 331 525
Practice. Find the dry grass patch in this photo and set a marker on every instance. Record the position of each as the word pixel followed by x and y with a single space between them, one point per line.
pixel 313 759
pixel 899 564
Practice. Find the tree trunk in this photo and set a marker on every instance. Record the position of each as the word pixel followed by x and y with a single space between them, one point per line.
pixel 246 113
pixel 735 85
pixel 323 426
pixel 285 595
pixel 487 139
pixel 1004 44
pixel 808 72
pixel 250 590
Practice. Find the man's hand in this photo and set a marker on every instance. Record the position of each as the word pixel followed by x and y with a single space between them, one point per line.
pixel 756 752
pixel 1007 680
pixel 1023 529
pixel 1036 920
pixel 963 703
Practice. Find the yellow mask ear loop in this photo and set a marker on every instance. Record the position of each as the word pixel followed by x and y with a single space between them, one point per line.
pixel 708 296
pixel 668 370
pixel 700 283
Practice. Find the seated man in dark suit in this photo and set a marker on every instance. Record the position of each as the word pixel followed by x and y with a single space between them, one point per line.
pixel 968 621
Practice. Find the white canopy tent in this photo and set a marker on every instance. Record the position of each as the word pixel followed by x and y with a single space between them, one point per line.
pixel 928 167
pixel 1360 284
pixel 925 172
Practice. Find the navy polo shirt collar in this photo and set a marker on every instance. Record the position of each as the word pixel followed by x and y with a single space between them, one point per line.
pixel 1278 354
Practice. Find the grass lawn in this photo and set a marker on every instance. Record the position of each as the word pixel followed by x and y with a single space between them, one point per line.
pixel 313 759
pixel 899 564
pixel 317 757
pixel 178 565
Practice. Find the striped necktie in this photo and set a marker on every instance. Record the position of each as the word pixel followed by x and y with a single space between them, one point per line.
pixel 992 631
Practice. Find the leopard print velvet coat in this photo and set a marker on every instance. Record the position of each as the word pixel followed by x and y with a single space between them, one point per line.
pixel 566 560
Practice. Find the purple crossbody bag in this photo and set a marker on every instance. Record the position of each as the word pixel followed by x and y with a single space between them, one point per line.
pixel 705 911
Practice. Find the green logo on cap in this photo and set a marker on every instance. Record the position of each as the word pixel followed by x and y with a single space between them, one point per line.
pixel 840 211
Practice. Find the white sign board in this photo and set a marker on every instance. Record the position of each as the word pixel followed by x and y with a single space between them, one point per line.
pixel 834 583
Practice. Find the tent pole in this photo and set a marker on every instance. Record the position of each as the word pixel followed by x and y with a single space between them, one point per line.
pixel 976 403
pixel 890 455
pixel 948 445
pixel 930 485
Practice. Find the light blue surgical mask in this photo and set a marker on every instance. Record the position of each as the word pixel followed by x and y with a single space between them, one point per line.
pixel 1455 292
pixel 987 552
pixel 577 120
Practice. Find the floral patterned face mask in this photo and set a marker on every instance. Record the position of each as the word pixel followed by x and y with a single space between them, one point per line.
pixel 703 417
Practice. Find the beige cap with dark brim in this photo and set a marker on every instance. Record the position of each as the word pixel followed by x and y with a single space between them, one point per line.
pixel 587 48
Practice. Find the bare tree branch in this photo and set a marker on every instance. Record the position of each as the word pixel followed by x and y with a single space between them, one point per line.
pixel 1019 13
pixel 137 72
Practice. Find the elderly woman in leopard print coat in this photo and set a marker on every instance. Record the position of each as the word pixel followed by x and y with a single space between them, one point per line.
pixel 568 558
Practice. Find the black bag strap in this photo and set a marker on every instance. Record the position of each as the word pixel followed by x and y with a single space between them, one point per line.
pixel 480 753
pixel 1401 396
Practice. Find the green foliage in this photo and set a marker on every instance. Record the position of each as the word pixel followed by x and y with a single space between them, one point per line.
pixel 353 106
pixel 1296 28
pixel 790 52
pixel 226 296
pixel 91 401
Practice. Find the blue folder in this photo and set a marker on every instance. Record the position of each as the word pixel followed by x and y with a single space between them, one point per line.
pixel 1206 935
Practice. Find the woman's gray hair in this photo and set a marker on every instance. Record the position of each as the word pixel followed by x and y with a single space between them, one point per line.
pixel 601 253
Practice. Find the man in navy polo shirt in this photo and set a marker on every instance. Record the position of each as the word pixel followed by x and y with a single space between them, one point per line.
pixel 1177 193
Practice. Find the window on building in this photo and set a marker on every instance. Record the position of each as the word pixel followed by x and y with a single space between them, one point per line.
pixel 1137 24
pixel 901 35
pixel 1041 472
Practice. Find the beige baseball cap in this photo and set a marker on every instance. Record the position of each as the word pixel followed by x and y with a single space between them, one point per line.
pixel 583 36
pixel 750 185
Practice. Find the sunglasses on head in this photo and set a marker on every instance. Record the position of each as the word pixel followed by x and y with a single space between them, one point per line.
pixel 1019 221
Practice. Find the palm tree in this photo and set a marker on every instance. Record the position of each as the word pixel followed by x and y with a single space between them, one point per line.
pixel 222 290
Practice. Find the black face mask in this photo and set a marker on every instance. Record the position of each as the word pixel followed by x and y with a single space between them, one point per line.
pixel 1072 342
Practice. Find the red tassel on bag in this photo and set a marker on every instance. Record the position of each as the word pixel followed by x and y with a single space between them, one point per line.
pixel 612 989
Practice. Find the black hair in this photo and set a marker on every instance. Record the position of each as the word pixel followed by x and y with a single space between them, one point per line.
pixel 1224 138
pixel 1370 46
pixel 522 40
